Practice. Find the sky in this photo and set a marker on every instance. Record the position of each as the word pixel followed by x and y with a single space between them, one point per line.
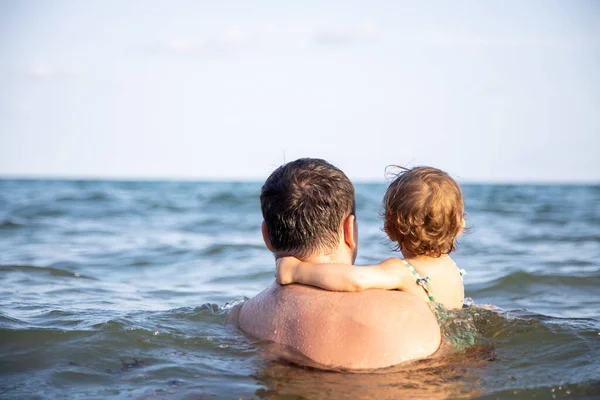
pixel 487 91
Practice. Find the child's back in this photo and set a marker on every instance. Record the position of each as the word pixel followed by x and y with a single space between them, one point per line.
pixel 445 281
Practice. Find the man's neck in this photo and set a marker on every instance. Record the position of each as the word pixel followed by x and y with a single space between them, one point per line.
pixel 321 259
pixel 337 257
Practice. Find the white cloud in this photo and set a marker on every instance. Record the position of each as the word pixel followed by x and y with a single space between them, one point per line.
pixel 40 70
pixel 453 39
pixel 185 45
pixel 365 32
pixel 368 30
pixel 229 38
pixel 45 70
pixel 234 36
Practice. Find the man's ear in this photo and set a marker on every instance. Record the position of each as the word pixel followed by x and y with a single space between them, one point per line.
pixel 350 232
pixel 265 235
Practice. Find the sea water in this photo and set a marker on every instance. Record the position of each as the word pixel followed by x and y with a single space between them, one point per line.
pixel 123 290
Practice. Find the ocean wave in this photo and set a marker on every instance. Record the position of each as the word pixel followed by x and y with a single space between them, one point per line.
pixel 244 276
pixel 172 323
pixel 520 279
pixel 169 207
pixel 498 209
pixel 553 237
pixel 85 197
pixel 573 262
pixel 211 224
pixel 11 223
pixel 585 389
pixel 206 309
pixel 231 199
pixel 39 211
pixel 8 322
pixel 49 270
pixel 221 249
pixel 549 219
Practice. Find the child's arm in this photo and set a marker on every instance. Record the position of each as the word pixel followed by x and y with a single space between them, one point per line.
pixel 389 274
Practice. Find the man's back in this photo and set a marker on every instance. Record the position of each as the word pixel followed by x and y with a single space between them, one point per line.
pixel 370 329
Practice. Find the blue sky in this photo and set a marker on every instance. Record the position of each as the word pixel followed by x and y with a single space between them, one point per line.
pixel 488 91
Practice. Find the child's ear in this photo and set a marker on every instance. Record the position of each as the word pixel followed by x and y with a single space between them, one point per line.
pixel 265 235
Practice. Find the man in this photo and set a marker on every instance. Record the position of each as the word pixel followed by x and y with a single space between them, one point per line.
pixel 309 213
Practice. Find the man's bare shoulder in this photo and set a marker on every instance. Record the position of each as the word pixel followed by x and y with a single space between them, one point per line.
pixel 308 296
pixel 375 306
pixel 368 329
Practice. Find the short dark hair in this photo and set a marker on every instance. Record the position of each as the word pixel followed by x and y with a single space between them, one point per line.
pixel 424 211
pixel 304 203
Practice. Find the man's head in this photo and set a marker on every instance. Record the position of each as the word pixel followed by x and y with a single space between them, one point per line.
pixel 308 207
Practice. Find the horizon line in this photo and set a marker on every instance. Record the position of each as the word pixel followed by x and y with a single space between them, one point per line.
pixel 231 179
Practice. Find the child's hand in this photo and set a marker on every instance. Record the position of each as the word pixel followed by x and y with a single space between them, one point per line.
pixel 286 269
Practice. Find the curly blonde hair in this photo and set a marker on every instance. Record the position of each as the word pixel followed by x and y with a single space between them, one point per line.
pixel 424 211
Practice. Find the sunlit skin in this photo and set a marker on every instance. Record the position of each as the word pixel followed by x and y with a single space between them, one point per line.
pixel 363 330
pixel 445 284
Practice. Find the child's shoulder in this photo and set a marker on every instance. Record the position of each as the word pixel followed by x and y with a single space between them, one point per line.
pixel 392 262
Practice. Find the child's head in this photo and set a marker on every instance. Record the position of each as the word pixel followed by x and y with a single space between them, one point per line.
pixel 424 211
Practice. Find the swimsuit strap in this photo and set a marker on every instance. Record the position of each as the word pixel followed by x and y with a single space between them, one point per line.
pixel 420 281
pixel 461 271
